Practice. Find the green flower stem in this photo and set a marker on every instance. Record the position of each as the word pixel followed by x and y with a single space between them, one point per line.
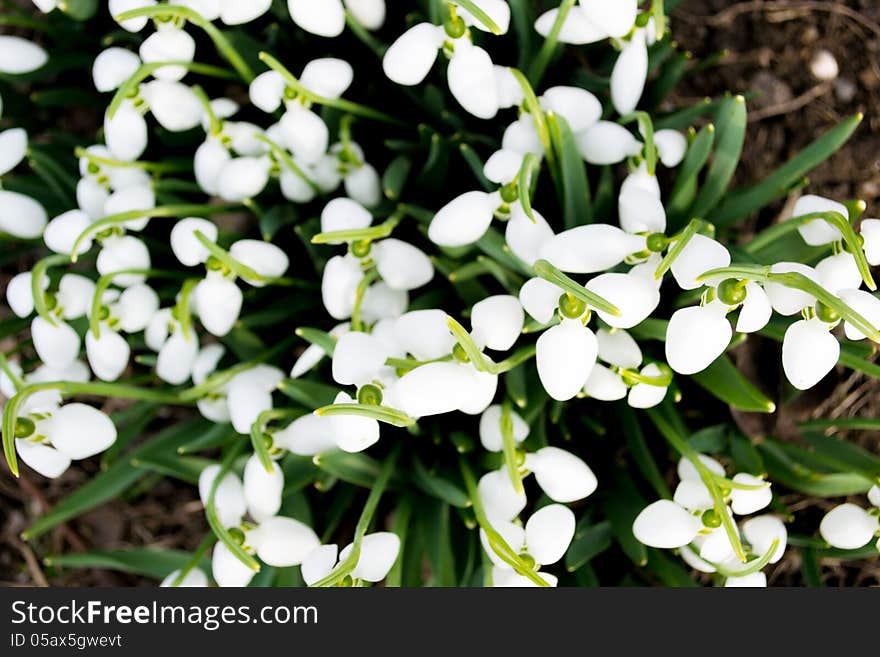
pixel 518 358
pixel 359 295
pixel 706 475
pixel 647 128
pixel 164 211
pixel 662 381
pixel 104 282
pixel 533 107
pixel 531 164
pixel 8 371
pixel 338 103
pixel 154 167
pixel 38 273
pixel 730 483
pixel 380 413
pixel 258 432
pixel 221 532
pixel 837 220
pixel 129 88
pixel 496 541
pixel 751 567
pixel 658 11
pixel 509 448
pixel 220 41
pixel 479 14
pixel 113 390
pixel 215 124
pixel 238 268
pixel 377 232
pixel 197 557
pixel 411 364
pixel 480 362
pixel 548 272
pixel 680 241
pixel 363 525
pixel 762 274
pixel 287 161
pixel 365 36
pixel 183 311
pixel 545 54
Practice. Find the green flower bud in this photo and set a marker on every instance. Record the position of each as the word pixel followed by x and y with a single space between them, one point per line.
pixel 24 427
pixel 571 307
pixel 370 394
pixel 731 292
pixel 826 313
pixel 657 242
pixel 361 249
pixel 711 519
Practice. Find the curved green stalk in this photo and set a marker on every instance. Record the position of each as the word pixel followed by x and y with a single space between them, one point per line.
pixel 530 164
pixel 238 268
pixel 548 272
pixel 182 307
pixel 39 294
pixel 258 431
pixel 104 282
pixel 215 125
pixel 542 59
pixel 380 413
pixel 287 161
pixel 509 448
pixel 359 296
pixel 377 232
pixel 197 557
pixel 751 567
pixel 154 167
pixel 533 107
pixel 345 567
pixel 681 241
pixel 480 15
pixel 647 129
pixel 220 41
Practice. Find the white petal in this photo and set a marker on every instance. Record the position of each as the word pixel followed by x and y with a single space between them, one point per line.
pixel 471 77
pixel 665 524
pixel 21 216
pixel 754 580
pixel 195 578
pixel 701 254
pixel 322 17
pixel 809 352
pixel 619 348
pixel 607 143
pixel 615 17
pixel 818 231
pixel 267 90
pixel 501 501
pixel 352 433
pixel 577 106
pixel 13 147
pixel 490 428
pixel 369 13
pixel 176 358
pixel 646 395
pixel 839 272
pixel 318 563
pixel 762 531
pixel 591 248
pixel 246 402
pixel 123 252
pixel 284 542
pixel 229 499
pixel 118 7
pixel 227 570
pixel 688 472
pixel 378 553
pixel 19 55
pixel 425 334
pixel 242 178
pixel 168 44
pixel 342 274
pixel 639 205
pixel 693 495
pixel 549 532
pixel 108 355
pixel 874 496
pixel 848 527
pixel 744 502
pixel 210 159
pixel 264 258
pixel 187 249
pixel 217 301
pixel 238 13
pixel 671 147
pixel 327 77
pixel 431 389
pixel 80 431
pixel 357 358
pixel 497 321
pixel 561 475
pixel 605 385
pixel 57 346
pixel 44 459
pixel 635 297
pixel 540 299
pixel 566 354
pixel 364 185
pixel 401 265
pixel 787 300
pixel 696 337
pixel 126 132
pixel 755 311
pixel 262 491
pixel 382 302
pixel 308 435
pixel 305 133
pixel 866 305
pixel 19 295
pixel 577 29
pixel 629 75
pixel 870 232
pixel 410 58
pixel 524 236
pixel 62 231
pixel 173 104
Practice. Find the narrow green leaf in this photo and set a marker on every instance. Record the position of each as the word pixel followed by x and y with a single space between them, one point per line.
pixel 685 185
pixel 310 394
pixel 437 486
pixel 587 544
pixel 395 177
pixel 149 562
pixel 847 456
pixel 576 203
pixel 724 381
pixel 622 504
pixel 783 469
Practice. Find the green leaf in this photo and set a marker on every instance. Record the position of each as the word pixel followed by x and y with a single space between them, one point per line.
pixel 476 166
pixel 622 504
pixel 436 532
pixel 576 205
pixel 669 570
pixel 786 471
pixel 395 177
pixel 731 128
pixel 723 380
pixel 525 179
pixel 685 185
pixel 358 469
pixel 743 202
pixel 317 337
pixel 439 487
pixel 184 468
pixel 587 544
pixel 847 457
pixel 149 562
pixel 639 450
pixel 745 455
pixel 310 394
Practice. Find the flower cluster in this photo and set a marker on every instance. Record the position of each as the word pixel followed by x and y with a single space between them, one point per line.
pixel 475 315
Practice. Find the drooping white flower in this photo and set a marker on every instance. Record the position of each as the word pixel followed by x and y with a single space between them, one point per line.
pixel 168 43
pixel 465 219
pixel 565 356
pixel 809 352
pixel 378 552
pixel 19 56
pixel 700 255
pixel 561 475
pixel 629 74
pixel 849 526
pixel 497 322
pixel 589 249
pixel 21 216
pixel 697 336
pixel 818 232
pixel 665 524
pixel 13 147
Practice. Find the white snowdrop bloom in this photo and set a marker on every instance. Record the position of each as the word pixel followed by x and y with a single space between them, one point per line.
pixel 168 43
pixel 870 232
pixel 809 352
pixel 497 322
pixel 671 147
pixel 363 184
pixel 244 138
pixel 217 301
pixel 634 296
pixel 607 143
pixel 18 55
pixel 319 563
pixel 173 104
pixel 121 252
pixel 91 196
pixel 465 219
pixel 76 371
pixel 195 578
pixel 471 77
pixel 42 458
pixel 378 553
pixel 295 188
pixel 46 6
pixel 187 249
pixel 664 524
pixel 242 178
pixel 130 199
pixel 13 147
pixel 697 336
pixel 540 299
pixel 521 136
pixel 401 265
pixel 74 296
pixel 79 431
pixel 506 578
pixel 499 498
pixel 497 10
pixel 525 237
pixel 490 428
pixel 410 58
pixel 693 495
pixel 369 13
pixel 321 17
pixel 235 12
pixel 510 92
pixel 108 354
pixel 314 354
pixel 639 205
pixel 62 231
pixel 432 389
pixel 743 502
pixel 605 385
pixel 214 406
pixel 425 334
pixel 753 580
pixel 284 542
pixel 307 435
pixel 761 531
pixel 267 91
pixel 561 475
pixel 693 560
pixel 818 231
pixel 21 216
pixel 19 295
pixel 250 393
pixel 210 159
pixel 339 282
pixel 8 387
pixel 328 77
pixel 229 500
pixel 352 433
pixel 645 395
pixel 701 254
pixel 577 106
pixel 546 537
pixel 866 305
pixel 787 300
pixel 176 357
pixel 874 496
pixel 577 29
pixel 755 311
pixel 687 471
pixel 503 166
pixel 629 74
pixel 344 214
pixel 58 345
pixel 591 248
pixel 305 133
pixel 479 391
pixel 264 258
pixel 848 527
pixel 839 272
pixel 159 328
pixel 118 7
pixel 126 132
pixel 617 347
pixel 227 570
pixel 566 354
pixel 614 17
pixel 357 358
pixel 262 489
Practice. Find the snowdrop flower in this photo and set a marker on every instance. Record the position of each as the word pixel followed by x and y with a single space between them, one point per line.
pixel 818 232
pixel 809 352
pixel 849 526
pixel 230 12
pixel 21 216
pixel 591 248
pixel 566 354
pixel 169 43
pixel 212 406
pixel 378 553
pixel 490 428
pixel 48 442
pixel 250 393
pixel 561 475
pixel 262 488
pixel 229 500
pixel 13 148
pixel 19 56
pixel 665 524
pixel 591 21
pixel 314 354
pixel 630 73
pixel 326 18
pixel 123 252
pixel 870 232
pixel 497 322
pixel 444 387
pixel 465 219
pixel 195 578
pixel 697 336
pixel 118 7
